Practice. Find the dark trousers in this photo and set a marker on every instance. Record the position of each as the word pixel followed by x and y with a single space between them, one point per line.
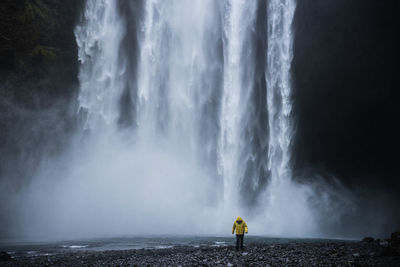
pixel 239 242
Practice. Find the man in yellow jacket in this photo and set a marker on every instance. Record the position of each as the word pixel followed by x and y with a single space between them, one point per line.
pixel 241 228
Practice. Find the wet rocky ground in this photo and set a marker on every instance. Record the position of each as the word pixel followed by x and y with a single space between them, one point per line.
pixel 368 252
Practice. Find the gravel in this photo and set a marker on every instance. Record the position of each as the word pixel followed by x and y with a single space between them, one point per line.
pixel 327 253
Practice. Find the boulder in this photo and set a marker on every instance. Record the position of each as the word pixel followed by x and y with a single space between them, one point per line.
pixel 384 243
pixel 395 239
pixel 368 239
pixel 4 256
pixel 387 252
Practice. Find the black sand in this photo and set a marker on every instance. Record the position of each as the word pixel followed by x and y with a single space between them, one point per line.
pixel 323 253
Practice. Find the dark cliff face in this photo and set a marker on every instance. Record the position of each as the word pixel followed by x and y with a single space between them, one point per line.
pixel 346 90
pixel 38 51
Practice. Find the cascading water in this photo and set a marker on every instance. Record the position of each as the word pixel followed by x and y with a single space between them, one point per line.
pixel 98 39
pixel 176 73
pixel 238 21
pixel 182 125
pixel 279 58
pixel 286 201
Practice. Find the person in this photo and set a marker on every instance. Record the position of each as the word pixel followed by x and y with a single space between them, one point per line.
pixel 241 228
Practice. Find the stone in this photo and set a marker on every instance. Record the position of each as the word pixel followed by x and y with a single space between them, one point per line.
pixel 387 252
pixel 368 239
pixel 395 239
pixel 384 243
pixel 4 256
pixel 395 235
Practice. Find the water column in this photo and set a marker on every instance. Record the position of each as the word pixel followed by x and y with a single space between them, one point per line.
pixel 175 81
pixel 279 58
pixel 286 204
pixel 239 16
pixel 101 74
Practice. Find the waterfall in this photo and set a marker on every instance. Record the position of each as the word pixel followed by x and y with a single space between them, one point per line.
pixel 186 115
pixel 192 89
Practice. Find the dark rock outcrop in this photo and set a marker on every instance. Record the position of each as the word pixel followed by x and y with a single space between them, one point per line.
pixel 395 239
pixel 4 256
pixel 368 239
pixel 390 247
pixel 38 50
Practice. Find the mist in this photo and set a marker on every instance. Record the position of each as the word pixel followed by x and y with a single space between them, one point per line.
pixel 123 189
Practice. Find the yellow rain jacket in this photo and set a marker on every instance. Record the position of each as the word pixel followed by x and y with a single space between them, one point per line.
pixel 240 226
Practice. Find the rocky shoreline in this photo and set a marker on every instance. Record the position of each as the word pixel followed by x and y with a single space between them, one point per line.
pixel 368 252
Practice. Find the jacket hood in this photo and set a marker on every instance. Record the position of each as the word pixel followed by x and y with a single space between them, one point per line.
pixel 239 220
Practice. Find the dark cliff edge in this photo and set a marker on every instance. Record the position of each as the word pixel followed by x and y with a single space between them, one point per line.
pixel 38 80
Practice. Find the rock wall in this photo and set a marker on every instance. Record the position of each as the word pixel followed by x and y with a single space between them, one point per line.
pixel 346 90
pixel 38 50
